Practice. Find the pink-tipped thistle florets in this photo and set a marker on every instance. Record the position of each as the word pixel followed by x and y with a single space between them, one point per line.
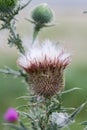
pixel 11 115
pixel 45 64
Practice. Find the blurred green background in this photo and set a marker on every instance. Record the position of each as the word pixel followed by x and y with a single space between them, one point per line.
pixel 71 31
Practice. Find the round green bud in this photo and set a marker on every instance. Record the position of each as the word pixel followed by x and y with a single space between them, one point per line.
pixel 7 5
pixel 42 14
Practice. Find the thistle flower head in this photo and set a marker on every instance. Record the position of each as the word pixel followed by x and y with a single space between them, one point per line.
pixel 7 5
pixel 11 115
pixel 42 14
pixel 45 64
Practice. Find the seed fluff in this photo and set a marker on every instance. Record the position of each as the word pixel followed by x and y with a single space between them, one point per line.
pixel 45 64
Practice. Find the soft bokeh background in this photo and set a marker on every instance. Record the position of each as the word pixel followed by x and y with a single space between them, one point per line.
pixel 71 31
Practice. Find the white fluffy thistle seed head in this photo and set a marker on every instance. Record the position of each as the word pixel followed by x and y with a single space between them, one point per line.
pixel 60 119
pixel 45 64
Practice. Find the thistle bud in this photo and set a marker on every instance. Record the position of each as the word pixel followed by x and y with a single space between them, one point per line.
pixel 11 115
pixel 7 5
pixel 60 119
pixel 42 14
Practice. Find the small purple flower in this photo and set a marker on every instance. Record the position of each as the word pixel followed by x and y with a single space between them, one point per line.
pixel 11 115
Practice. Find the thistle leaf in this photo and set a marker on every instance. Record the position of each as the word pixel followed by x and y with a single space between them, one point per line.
pixel 77 111
pixel 70 90
pixel 13 126
pixel 84 123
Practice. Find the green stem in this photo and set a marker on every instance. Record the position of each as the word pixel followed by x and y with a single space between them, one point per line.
pixel 10 71
pixel 46 109
pixel 25 5
pixel 36 31
pixel 15 38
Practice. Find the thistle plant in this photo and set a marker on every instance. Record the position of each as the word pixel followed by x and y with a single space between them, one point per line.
pixel 42 67
pixel 41 16
pixel 8 10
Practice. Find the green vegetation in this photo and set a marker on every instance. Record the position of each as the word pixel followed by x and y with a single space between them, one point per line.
pixel 11 88
pixel 75 35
